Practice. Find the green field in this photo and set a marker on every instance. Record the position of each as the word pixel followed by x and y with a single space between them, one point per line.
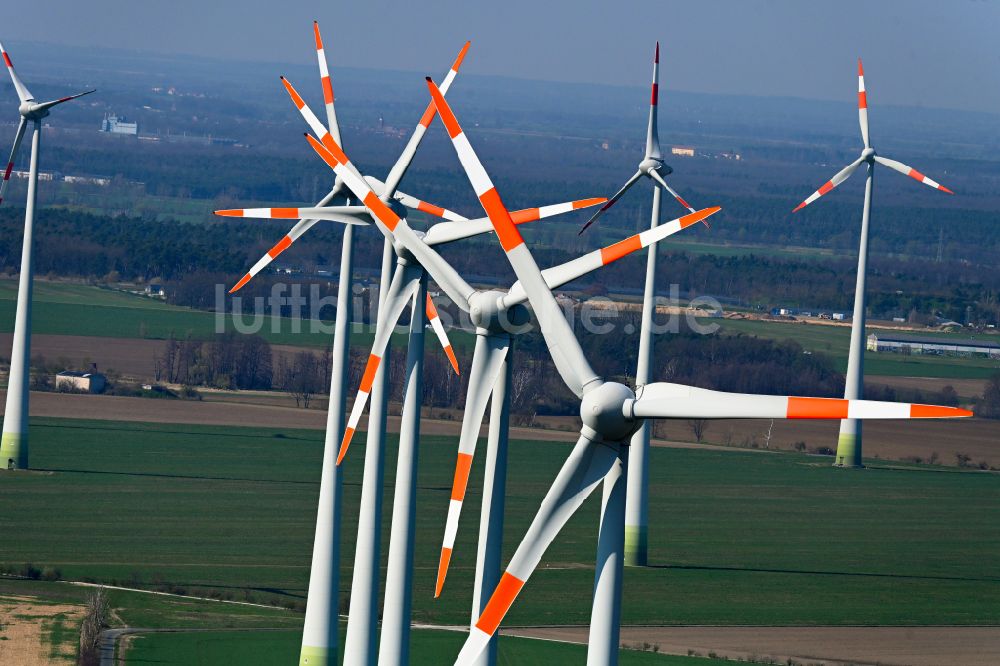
pixel 834 342
pixel 427 647
pixel 77 309
pixel 739 537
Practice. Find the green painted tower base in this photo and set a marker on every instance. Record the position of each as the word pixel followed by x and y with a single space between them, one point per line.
pixel 848 451
pixel 14 451
pixel 636 542
pixel 315 656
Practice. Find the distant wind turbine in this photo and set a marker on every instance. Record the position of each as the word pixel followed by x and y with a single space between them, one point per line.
pixel 14 442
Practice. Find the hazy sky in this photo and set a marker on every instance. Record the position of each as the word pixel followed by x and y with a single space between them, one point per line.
pixel 941 53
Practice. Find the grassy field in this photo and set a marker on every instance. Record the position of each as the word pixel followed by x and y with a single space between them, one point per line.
pixel 427 646
pixel 739 537
pixel 834 341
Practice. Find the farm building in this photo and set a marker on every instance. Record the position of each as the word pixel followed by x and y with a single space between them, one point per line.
pixel 88 382
pixel 912 344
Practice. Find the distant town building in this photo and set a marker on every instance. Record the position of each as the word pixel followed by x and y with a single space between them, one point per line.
pixel 682 151
pixel 88 382
pixel 113 124
pixel 912 344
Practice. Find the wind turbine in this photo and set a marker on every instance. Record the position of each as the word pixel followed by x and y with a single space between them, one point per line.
pixel 320 638
pixel 849 441
pixel 637 501
pixel 14 441
pixel 396 228
pixel 611 412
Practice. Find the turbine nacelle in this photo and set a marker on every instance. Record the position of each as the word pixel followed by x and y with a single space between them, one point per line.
pixel 488 313
pixel 32 110
pixel 655 164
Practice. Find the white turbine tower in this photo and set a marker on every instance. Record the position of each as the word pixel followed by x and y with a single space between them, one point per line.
pixel 14 441
pixel 637 500
pixel 849 442
pixel 611 413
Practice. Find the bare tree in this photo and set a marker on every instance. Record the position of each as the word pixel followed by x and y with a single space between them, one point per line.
pixel 95 620
pixel 698 428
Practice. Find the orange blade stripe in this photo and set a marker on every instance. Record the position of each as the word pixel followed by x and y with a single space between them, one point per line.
pixel 232 212
pixel 862 100
pixel 344 444
pixel 462 467
pixel 587 203
pixel 319 40
pixel 369 377
pixel 509 236
pixel 620 249
pixel 323 152
pixel 447 117
pixel 382 212
pixel 296 98
pixel 461 57
pixel 442 571
pixel 526 215
pixel 827 186
pixel 695 218
pixel 280 247
pixel 817 408
pixel 499 603
pixel 431 311
pixel 239 285
pixel 935 412
pixel 327 90
pixel 428 116
pixel 916 175
pixel 430 208
pixel 451 357
pixel 285 213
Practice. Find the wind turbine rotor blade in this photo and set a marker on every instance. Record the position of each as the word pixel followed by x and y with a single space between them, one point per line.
pixel 652 136
pixel 406 157
pixel 22 126
pixel 841 176
pixel 611 202
pixel 487 363
pixel 62 100
pixel 446 232
pixel 343 214
pixel 442 335
pixel 863 105
pixel 300 228
pixel 912 173
pixel 665 400
pixel 317 127
pixel 405 281
pixel 583 471
pixel 559 275
pixel 22 90
pixel 654 174
pixel 414 203
pixel 393 227
pixel 563 346
pixel 324 75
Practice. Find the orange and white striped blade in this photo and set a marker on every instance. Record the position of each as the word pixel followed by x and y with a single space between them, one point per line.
pixel 566 353
pixel 611 202
pixel 841 176
pixel 286 242
pixel 318 128
pixel 562 274
pixel 583 471
pixel 442 335
pixel 356 215
pixel 13 157
pixel 666 400
pixel 406 157
pixel 542 212
pixel 414 203
pixel 22 90
pixel 404 285
pixel 324 75
pixel 912 173
pixel 487 364
pixel 863 105
pixel 393 227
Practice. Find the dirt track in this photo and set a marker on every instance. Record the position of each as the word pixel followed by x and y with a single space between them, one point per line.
pixel 830 646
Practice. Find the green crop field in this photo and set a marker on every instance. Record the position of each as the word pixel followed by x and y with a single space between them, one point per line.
pixel 76 309
pixel 834 341
pixel 427 647
pixel 738 538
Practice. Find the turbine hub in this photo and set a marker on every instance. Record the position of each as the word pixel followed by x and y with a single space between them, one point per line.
pixel 603 411
pixel 867 154
pixel 32 111
pixel 404 254
pixel 487 312
pixel 653 164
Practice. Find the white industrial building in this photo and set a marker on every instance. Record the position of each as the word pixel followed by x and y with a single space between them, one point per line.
pixel 912 344
pixel 113 124
pixel 88 382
